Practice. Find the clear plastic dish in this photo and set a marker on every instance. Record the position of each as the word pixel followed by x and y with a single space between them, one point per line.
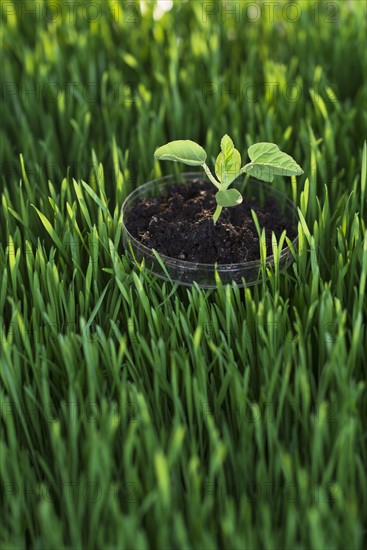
pixel 186 273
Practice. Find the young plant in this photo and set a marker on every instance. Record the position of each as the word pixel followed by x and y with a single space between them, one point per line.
pixel 267 161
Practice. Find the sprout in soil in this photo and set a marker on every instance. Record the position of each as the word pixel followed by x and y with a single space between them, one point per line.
pixel 267 161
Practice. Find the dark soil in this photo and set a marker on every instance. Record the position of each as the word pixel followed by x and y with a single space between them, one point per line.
pixel 180 225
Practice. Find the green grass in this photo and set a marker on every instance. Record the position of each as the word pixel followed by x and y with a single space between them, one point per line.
pixel 137 414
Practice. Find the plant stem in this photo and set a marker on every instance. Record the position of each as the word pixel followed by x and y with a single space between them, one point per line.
pixel 217 213
pixel 210 176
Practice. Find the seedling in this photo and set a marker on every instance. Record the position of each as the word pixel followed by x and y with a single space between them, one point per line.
pixel 267 161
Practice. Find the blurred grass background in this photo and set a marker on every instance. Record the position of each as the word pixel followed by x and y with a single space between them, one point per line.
pixel 136 414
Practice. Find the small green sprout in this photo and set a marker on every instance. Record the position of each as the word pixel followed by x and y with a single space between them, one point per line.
pixel 267 161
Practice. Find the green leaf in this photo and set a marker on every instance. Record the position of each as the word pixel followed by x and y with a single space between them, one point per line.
pixel 269 161
pixel 95 197
pixel 49 228
pixel 228 163
pixel 182 150
pixel 227 146
pixel 229 197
